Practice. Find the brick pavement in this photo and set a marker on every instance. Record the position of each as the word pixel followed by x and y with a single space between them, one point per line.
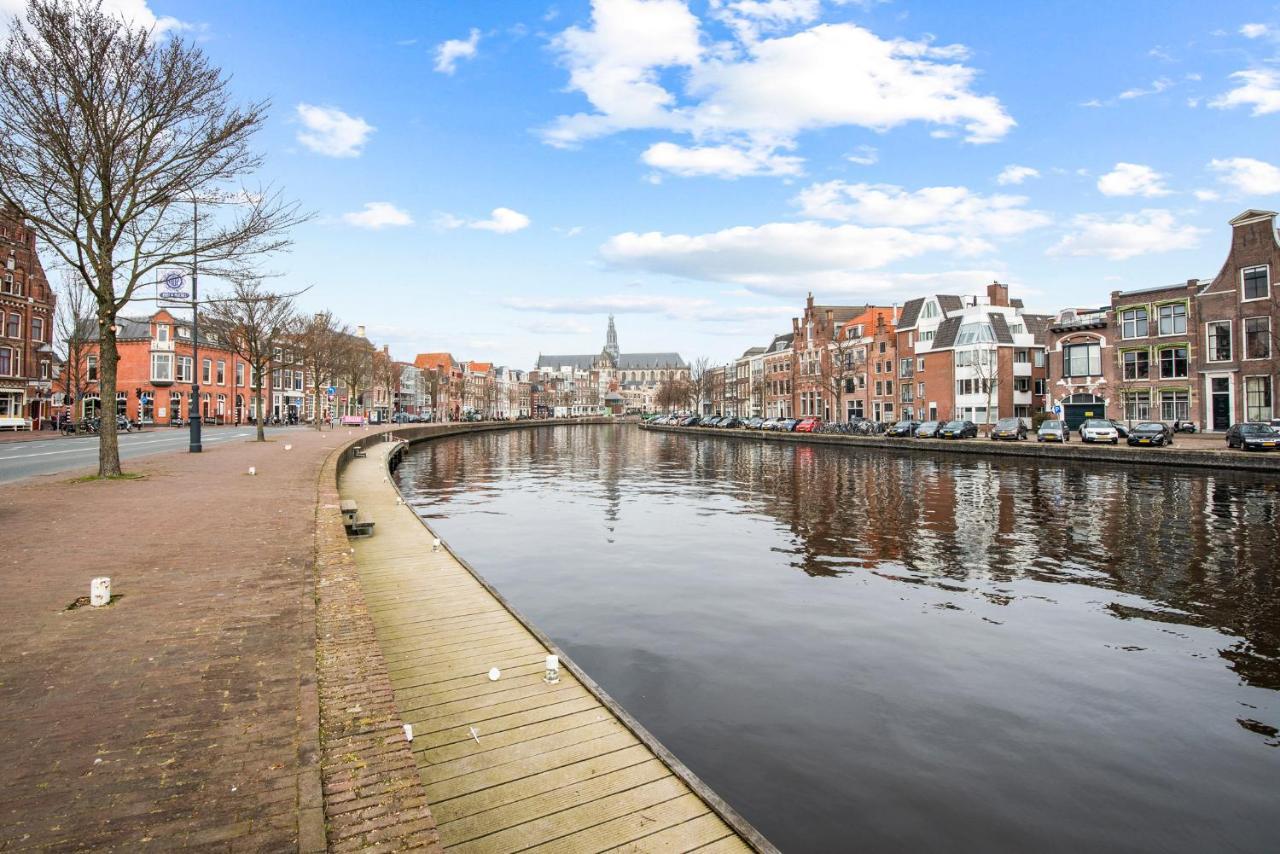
pixel 184 714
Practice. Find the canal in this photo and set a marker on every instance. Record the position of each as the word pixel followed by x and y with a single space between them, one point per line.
pixel 863 650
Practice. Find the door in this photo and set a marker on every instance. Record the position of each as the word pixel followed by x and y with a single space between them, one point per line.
pixel 1220 389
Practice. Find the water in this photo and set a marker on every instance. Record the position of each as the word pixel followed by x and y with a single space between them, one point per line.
pixel 872 651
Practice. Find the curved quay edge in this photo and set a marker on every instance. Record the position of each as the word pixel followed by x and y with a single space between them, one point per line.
pixel 985 448
pixel 410 436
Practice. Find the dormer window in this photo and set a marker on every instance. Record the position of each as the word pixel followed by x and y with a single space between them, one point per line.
pixel 184 332
pixel 162 333
pixel 930 310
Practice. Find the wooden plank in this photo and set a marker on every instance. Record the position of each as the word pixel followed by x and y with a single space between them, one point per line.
pixel 630 827
pixel 515 735
pixel 686 836
pixel 495 726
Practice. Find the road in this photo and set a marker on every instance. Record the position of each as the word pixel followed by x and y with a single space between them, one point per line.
pixel 49 456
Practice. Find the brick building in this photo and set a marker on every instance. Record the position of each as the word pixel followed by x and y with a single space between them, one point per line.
pixel 778 364
pixel 26 330
pixel 1157 351
pixel 1084 367
pixel 917 325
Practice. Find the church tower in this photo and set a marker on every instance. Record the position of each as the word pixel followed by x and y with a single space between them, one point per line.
pixel 611 343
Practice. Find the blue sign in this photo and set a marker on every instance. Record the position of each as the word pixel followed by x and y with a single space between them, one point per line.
pixel 331 391
pixel 1057 410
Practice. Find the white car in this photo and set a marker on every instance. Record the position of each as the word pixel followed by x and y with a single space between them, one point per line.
pixel 1097 430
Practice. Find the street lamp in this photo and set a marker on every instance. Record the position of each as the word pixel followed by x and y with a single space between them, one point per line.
pixel 194 422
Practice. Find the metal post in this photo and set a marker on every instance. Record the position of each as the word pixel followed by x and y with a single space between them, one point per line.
pixel 194 409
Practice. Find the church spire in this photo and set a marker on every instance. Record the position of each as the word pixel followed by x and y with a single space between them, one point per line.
pixel 611 342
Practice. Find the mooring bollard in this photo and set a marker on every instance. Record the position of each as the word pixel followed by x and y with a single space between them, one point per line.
pixel 553 670
pixel 100 592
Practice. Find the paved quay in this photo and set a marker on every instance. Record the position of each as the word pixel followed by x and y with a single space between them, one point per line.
pixel 514 764
pixel 1195 451
pixel 183 715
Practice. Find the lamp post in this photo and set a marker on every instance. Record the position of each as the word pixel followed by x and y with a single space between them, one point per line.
pixel 194 421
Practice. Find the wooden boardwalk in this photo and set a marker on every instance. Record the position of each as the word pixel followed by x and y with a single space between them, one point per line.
pixel 516 764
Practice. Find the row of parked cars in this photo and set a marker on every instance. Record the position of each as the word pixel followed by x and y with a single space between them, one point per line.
pixel 1247 436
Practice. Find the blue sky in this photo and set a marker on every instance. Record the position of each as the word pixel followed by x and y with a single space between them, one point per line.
pixel 493 178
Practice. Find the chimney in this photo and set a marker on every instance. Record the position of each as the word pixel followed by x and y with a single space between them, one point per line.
pixel 997 294
pixel 360 331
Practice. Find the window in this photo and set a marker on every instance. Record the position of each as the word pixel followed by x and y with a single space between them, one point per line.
pixel 1041 386
pixel 1022 383
pixel 1082 360
pixel 1257 338
pixel 920 389
pixel 1040 357
pixel 222 372
pixel 1135 365
pixel 1137 406
pixel 904 368
pixel 1175 405
pixel 1173 319
pixel 882 346
pixel 184 332
pixel 1257 398
pixel 240 374
pixel 14 327
pixel 1255 283
pixel 161 367
pixel 37 329
pixel 44 370
pixel 888 386
pixel 162 332
pixel 185 369
pixel 975 333
pixel 1021 357
pixel 879 387
pixel 91 369
pixel 1133 323
pixel 1173 363
pixel 206 371
pixel 8 362
pixel 926 336
pixel 1017 329
pixel 930 310
pixel 1219 338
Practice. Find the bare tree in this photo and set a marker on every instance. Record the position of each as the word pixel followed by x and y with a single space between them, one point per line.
pixel 75 327
pixel 698 386
pixel 107 136
pixel 355 366
pixel 839 369
pixel 384 375
pixel 986 370
pixel 254 323
pixel 319 344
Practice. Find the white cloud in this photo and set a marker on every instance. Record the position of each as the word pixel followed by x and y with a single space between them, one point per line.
pixel 723 161
pixel 1132 179
pixel 1157 86
pixel 759 94
pixel 1254 31
pixel 781 257
pixel 674 307
pixel 1247 176
pixel 864 155
pixel 1207 195
pixel 1259 88
pixel 1015 174
pixel 448 53
pixel 941 210
pixel 137 13
pixel 501 221
pixel 376 215
pixel 1127 236
pixel 331 132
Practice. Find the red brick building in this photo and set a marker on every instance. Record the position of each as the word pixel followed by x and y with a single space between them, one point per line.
pixel 26 330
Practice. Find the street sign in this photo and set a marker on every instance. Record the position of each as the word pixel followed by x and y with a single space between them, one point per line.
pixel 173 285
pixel 1057 410
pixel 331 391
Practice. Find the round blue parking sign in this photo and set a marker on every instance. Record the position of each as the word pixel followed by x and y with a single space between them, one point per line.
pixel 1057 410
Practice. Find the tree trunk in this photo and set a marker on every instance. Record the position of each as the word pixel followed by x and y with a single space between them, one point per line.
pixel 108 442
pixel 262 411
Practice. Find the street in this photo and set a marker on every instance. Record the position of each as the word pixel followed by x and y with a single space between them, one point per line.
pixel 19 460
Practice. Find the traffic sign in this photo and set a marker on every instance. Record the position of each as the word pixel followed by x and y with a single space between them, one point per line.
pixel 331 391
pixel 1057 410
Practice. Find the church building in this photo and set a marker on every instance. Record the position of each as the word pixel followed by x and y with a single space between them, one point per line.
pixel 615 381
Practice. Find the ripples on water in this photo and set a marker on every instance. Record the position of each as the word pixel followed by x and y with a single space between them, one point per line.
pixel 892 652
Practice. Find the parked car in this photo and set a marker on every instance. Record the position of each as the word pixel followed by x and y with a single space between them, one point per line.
pixel 905 429
pixel 711 421
pixel 1098 430
pixel 958 430
pixel 754 423
pixel 1053 430
pixel 787 425
pixel 1121 430
pixel 1150 433
pixel 808 425
pixel 1253 436
pixel 1009 428
pixel 928 430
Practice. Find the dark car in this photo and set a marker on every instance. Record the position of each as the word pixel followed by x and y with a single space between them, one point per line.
pixel 1150 433
pixel 1253 436
pixel 903 428
pixel 1009 428
pixel 928 430
pixel 1121 430
pixel 958 430
pixel 711 421
pixel 691 421
pixel 731 422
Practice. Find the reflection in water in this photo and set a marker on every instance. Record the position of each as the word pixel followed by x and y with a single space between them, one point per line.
pixel 971 655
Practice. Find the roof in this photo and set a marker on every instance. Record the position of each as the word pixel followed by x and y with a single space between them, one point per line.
pixel 840 313
pixel 950 303
pixel 751 351
pixel 1181 286
pixel 650 360
pixel 1000 327
pixel 1017 303
pixel 910 313
pixel 1037 325
pixel 479 367
pixel 780 342
pixel 1252 215
pixel 139 329
pixel 581 363
pixel 434 361
pixel 946 334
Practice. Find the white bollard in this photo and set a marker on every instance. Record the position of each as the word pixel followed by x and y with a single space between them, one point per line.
pixel 252 470
pixel 553 670
pixel 435 544
pixel 288 447
pixel 100 592
pixel 408 732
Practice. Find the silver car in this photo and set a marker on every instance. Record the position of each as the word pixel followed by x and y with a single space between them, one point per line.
pixel 1097 430
pixel 1053 430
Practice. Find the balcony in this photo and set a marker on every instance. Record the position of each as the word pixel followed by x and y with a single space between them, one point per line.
pixel 158 346
pixel 1022 369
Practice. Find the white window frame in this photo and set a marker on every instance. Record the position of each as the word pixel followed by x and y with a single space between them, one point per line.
pixel 1124 335
pixel 162 332
pixel 1271 412
pixel 1244 339
pixel 1186 316
pixel 1208 348
pixel 1244 270
pixel 157 358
